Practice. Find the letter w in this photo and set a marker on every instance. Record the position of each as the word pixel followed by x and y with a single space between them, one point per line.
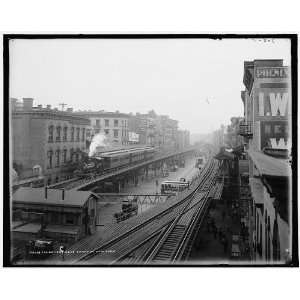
pixel 278 145
pixel 278 103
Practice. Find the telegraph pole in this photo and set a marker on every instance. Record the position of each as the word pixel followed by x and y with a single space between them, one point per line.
pixel 62 105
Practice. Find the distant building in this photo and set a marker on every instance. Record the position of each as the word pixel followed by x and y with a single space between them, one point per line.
pixel 113 125
pixel 266 130
pixel 183 139
pixel 143 125
pixel 56 214
pixel 46 141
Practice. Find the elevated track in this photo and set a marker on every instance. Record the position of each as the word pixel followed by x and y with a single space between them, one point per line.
pixel 167 231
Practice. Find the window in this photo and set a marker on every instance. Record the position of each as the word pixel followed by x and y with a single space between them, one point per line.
pixel 106 123
pixel 58 132
pixel 267 129
pixel 71 154
pixel 65 136
pixel 277 129
pixel 116 133
pixel 65 156
pixel 50 134
pixel 83 135
pixel 98 123
pixel 57 156
pixel 77 134
pixel 106 131
pixel 50 157
pixel 116 123
pixel 72 134
pixel 70 219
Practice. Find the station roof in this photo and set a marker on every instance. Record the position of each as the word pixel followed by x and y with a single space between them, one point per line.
pixel 270 166
pixel 54 197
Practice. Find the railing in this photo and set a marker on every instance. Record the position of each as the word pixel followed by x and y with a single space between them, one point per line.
pixel 245 129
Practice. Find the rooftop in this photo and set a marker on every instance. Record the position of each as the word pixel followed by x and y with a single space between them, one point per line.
pixel 270 166
pixel 54 196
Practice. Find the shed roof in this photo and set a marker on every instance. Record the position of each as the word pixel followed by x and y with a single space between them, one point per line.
pixel 270 166
pixel 54 196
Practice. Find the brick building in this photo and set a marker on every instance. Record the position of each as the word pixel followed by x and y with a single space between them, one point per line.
pixel 46 141
pixel 267 135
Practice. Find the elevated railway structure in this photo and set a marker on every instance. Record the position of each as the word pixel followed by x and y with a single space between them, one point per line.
pixel 150 228
pixel 90 182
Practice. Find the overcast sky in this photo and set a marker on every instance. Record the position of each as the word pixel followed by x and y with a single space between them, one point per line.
pixel 195 81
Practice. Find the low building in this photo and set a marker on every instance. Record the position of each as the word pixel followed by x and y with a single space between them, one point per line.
pixel 52 213
pixel 46 141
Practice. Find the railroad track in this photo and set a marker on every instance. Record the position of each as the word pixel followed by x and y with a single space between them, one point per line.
pixel 175 243
pixel 136 237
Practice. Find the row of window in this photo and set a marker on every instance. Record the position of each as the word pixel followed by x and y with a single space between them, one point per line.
pixel 116 123
pixel 60 157
pixel 115 131
pixel 62 134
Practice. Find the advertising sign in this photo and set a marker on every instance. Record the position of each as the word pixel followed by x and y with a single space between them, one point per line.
pixel 133 137
pixel 274 134
pixel 274 72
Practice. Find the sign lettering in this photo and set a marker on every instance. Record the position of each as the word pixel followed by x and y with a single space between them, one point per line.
pixel 275 72
pixel 274 105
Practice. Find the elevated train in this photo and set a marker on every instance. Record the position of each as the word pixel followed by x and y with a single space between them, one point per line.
pixel 101 162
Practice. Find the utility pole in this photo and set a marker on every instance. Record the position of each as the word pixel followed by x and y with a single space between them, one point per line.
pixel 62 105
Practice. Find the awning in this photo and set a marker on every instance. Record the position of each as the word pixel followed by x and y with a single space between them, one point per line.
pixel 269 166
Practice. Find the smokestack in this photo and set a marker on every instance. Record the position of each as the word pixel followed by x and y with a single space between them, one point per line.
pixel 63 194
pixel 46 192
pixel 27 103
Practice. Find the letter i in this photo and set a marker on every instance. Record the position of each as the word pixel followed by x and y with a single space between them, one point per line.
pixel 261 105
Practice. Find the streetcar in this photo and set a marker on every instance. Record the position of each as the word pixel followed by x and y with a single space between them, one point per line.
pixel 172 186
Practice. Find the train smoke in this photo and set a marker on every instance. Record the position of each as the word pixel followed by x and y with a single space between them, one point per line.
pixel 99 140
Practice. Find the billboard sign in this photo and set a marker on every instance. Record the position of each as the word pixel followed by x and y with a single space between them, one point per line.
pixel 133 137
pixel 274 72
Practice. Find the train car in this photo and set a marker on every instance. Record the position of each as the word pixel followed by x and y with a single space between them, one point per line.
pixel 172 186
pixel 200 162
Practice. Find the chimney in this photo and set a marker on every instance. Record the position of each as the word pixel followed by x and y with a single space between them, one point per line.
pixel 27 103
pixel 63 194
pixel 48 106
pixel 46 192
pixel 69 109
pixel 13 103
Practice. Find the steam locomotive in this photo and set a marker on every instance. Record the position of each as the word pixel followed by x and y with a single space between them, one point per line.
pixel 101 162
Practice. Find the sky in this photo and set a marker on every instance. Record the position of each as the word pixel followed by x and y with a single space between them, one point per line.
pixel 195 81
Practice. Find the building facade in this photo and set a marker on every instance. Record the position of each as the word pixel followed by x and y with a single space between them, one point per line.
pixel 266 130
pixel 112 125
pixel 46 141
